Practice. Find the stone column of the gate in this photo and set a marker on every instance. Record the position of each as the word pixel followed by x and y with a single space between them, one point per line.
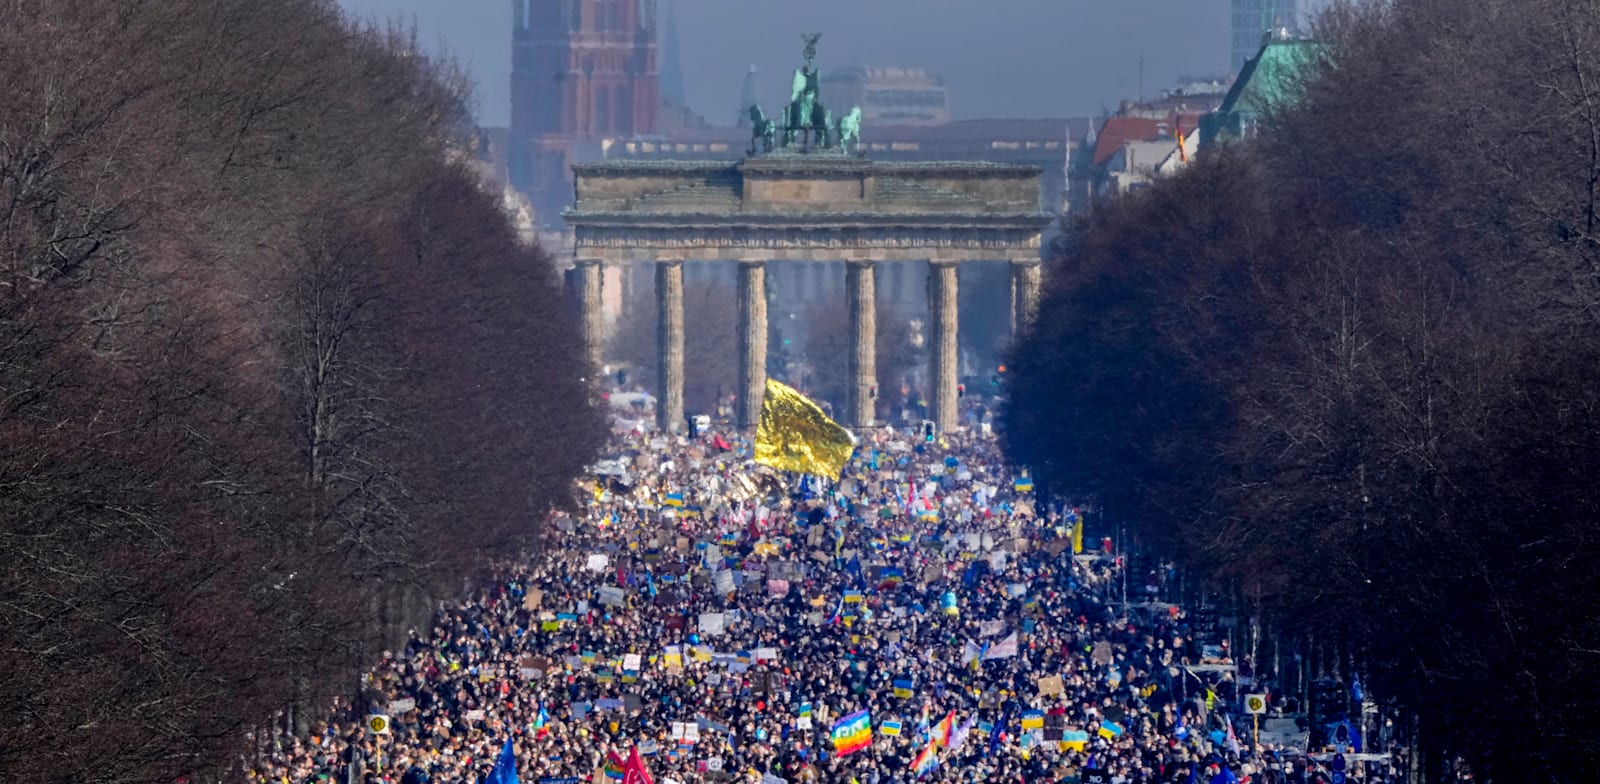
pixel 752 341
pixel 669 345
pixel 943 318
pixel 861 292
pixel 1024 292
pixel 587 280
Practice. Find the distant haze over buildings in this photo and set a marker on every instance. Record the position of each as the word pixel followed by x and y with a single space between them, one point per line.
pixel 999 58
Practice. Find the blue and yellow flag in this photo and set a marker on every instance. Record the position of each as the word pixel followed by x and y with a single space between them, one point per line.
pixel 794 435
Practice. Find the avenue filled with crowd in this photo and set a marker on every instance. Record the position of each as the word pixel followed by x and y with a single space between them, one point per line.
pixel 923 618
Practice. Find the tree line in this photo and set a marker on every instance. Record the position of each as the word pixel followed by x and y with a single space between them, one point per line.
pixel 1347 368
pixel 274 370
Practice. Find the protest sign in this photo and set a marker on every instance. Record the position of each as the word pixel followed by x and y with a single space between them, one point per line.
pixel 712 624
pixel 597 562
pixel 1101 653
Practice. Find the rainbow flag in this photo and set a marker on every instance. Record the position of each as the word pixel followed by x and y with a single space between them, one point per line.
pixel 890 577
pixel 926 760
pixel 942 730
pixel 614 766
pixel 539 722
pixel 852 733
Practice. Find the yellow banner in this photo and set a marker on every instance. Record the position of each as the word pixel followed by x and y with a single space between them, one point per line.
pixel 794 435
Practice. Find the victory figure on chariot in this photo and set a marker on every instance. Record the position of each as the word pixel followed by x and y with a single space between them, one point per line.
pixel 805 124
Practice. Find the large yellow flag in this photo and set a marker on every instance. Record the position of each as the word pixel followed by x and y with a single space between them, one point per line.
pixel 794 435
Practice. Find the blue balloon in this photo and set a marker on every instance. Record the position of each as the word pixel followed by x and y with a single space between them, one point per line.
pixel 694 639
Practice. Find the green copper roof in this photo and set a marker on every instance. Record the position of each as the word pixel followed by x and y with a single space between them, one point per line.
pixel 1268 79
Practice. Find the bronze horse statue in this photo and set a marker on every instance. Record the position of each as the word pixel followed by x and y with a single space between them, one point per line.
pixel 762 130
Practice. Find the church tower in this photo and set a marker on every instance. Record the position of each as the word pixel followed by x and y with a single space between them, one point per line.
pixel 582 71
pixel 672 90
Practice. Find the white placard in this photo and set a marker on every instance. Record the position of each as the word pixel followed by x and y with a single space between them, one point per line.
pixel 597 562
pixel 612 595
pixel 724 581
pixel 712 624
pixel 631 661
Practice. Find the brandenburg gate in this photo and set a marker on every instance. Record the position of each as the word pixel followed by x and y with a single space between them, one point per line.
pixel 802 195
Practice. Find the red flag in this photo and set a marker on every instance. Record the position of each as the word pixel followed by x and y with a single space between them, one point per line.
pixel 718 442
pixel 635 772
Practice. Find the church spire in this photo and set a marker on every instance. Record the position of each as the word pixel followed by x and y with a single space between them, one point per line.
pixel 747 97
pixel 671 70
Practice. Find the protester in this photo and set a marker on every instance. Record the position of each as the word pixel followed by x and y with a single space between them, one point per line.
pixel 720 617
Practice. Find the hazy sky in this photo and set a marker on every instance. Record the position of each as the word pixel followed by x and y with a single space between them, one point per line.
pixel 1001 58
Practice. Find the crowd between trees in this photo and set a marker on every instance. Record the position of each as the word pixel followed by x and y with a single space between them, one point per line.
pixel 272 369
pixel 1348 369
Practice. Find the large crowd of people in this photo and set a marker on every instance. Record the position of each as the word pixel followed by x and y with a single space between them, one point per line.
pixel 720 618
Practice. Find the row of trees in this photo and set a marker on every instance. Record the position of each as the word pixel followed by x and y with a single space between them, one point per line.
pixel 272 368
pixel 1348 369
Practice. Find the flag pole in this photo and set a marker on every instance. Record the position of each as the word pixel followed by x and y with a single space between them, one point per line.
pixel 1255 719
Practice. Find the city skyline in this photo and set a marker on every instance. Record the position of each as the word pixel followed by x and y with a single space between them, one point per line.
pixel 1071 58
